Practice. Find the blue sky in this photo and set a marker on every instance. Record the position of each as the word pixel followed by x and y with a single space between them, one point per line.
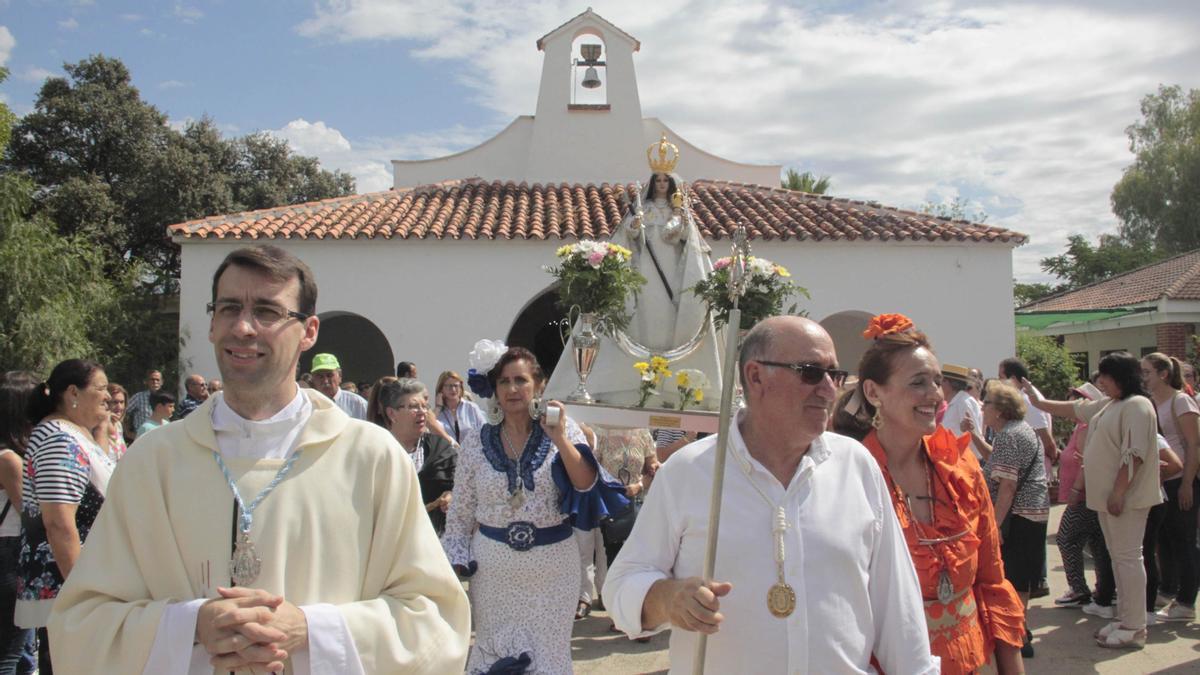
pixel 1018 107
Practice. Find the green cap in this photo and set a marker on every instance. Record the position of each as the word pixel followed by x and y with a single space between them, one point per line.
pixel 325 362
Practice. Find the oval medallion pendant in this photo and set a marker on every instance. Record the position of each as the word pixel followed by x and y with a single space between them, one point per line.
pixel 781 600
pixel 945 589
pixel 245 565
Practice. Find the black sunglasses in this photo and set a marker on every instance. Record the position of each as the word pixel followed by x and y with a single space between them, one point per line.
pixel 811 373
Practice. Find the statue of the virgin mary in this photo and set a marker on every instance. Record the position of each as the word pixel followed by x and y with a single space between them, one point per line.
pixel 671 254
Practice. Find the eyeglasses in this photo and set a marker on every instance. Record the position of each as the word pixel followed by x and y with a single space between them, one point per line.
pixel 811 373
pixel 414 408
pixel 264 315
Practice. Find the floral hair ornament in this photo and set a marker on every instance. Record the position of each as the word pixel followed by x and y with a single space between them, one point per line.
pixel 886 324
pixel 482 359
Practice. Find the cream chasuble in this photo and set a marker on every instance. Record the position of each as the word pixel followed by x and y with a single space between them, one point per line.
pixel 344 536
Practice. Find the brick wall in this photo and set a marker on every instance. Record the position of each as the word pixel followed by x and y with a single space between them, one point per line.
pixel 1173 338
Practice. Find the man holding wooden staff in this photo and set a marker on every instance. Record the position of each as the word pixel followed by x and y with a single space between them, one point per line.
pixel 812 571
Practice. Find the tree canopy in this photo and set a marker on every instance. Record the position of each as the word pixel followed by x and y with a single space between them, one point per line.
pixel 109 166
pixel 806 182
pixel 91 178
pixel 1158 198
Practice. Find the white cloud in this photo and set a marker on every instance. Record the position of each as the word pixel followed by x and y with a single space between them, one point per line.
pixel 131 17
pixel 1018 108
pixel 172 84
pixel 370 160
pixel 7 43
pixel 35 74
pixel 187 14
pixel 68 24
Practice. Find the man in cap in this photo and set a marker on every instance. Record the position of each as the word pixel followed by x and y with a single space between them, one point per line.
pixel 327 379
pixel 956 384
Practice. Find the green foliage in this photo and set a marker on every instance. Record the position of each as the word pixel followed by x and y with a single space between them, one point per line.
pixel 1084 264
pixel 957 209
pixel 1023 294
pixel 108 176
pixel 1051 368
pixel 768 286
pixel 596 278
pixel 806 182
pixel 57 297
pixel 1158 197
pixel 109 167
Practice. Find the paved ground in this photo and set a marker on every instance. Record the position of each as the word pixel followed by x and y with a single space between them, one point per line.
pixel 1062 638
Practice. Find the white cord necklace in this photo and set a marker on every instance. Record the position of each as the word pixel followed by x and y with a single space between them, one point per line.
pixel 781 597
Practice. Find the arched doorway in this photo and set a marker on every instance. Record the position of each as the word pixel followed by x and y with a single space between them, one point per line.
pixel 846 329
pixel 359 345
pixel 538 328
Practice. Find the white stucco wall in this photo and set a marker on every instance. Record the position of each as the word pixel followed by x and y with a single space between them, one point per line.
pixel 445 295
pixel 1132 340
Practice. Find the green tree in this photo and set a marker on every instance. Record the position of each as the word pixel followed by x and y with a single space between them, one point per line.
pixel 1158 198
pixel 1084 264
pixel 956 209
pixel 56 289
pixel 1051 368
pixel 806 182
pixel 109 167
pixel 1023 294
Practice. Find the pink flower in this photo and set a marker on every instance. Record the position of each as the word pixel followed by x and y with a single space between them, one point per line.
pixel 722 263
pixel 595 258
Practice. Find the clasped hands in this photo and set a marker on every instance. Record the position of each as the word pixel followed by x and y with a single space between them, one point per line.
pixel 250 630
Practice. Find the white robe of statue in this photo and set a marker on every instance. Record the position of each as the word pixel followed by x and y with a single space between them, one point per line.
pixel 671 254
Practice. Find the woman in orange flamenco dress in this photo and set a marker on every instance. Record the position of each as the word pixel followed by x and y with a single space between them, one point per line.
pixel 940 498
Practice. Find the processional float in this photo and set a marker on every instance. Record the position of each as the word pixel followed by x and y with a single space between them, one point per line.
pixel 600 289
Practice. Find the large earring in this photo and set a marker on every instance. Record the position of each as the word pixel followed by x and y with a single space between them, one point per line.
pixel 495 413
pixel 876 420
pixel 75 403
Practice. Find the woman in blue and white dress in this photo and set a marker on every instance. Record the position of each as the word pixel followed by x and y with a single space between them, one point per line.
pixel 519 488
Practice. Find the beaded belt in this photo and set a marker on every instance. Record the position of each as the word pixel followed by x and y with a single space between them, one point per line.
pixel 523 535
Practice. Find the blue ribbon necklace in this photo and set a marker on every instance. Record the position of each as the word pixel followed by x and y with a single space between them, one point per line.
pixel 245 565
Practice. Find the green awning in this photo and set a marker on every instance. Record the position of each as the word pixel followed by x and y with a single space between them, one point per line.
pixel 1040 320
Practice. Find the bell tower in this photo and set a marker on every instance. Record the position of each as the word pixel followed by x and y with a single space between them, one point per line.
pixel 589 116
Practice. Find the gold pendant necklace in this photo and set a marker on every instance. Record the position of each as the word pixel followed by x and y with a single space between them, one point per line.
pixel 781 597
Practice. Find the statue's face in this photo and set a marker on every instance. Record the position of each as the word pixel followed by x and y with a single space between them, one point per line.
pixel 661 185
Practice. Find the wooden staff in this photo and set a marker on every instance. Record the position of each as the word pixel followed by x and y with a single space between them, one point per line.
pixel 737 285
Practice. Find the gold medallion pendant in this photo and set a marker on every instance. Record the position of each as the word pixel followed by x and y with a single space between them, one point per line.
pixel 781 600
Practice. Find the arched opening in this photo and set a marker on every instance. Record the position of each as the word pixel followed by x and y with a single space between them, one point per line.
pixel 589 70
pixel 538 328
pixel 361 348
pixel 846 329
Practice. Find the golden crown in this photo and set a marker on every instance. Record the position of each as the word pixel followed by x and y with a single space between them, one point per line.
pixel 668 156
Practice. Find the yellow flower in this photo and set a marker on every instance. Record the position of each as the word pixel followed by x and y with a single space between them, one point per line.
pixel 699 396
pixel 659 363
pixel 682 380
pixel 563 251
pixel 642 367
pixel 782 271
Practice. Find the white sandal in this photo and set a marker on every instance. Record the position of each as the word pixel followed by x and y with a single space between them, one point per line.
pixel 1123 638
pixel 1106 629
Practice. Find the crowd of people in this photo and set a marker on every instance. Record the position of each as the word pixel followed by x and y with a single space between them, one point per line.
pixel 344 519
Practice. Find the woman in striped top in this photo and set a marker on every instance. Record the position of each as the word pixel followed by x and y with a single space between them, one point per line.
pixel 66 475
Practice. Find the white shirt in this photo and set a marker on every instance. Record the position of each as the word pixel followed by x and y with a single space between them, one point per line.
pixel 856 590
pixel 329 639
pixel 351 403
pixel 963 405
pixel 1035 418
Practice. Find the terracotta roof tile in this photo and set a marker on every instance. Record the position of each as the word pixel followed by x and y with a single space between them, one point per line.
pixel 1176 278
pixel 476 209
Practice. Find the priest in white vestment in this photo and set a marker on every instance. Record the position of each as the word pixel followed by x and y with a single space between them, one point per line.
pixel 338 568
pixel 812 571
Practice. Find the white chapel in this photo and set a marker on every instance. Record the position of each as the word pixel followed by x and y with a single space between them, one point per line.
pixel 454 252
